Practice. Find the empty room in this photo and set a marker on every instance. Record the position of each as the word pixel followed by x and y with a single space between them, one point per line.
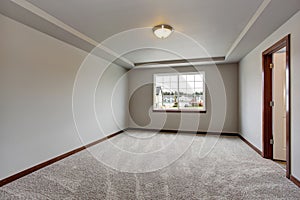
pixel 139 99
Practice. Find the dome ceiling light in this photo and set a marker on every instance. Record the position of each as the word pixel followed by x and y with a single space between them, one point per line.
pixel 162 31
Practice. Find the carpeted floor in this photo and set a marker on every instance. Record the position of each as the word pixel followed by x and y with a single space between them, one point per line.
pixel 167 166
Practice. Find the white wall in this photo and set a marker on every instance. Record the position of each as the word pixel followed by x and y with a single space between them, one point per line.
pixel 250 82
pixel 37 74
pixel 111 99
pixel 222 101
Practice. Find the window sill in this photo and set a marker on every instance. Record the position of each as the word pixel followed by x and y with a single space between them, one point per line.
pixel 181 111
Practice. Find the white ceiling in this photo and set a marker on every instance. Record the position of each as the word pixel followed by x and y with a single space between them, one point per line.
pixel 203 28
pixel 210 23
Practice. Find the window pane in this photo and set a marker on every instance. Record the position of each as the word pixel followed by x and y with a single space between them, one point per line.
pixel 182 78
pixel 199 77
pixel 167 79
pixel 182 91
pixel 168 101
pixel 182 84
pixel 159 79
pixel 174 78
pixel 158 84
pixel 190 77
pixel 187 94
pixel 174 84
pixel 199 91
pixel 184 101
pixel 190 91
pixel 190 85
pixel 166 85
pixel 198 84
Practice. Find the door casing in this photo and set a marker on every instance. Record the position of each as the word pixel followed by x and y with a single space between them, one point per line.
pixel 267 123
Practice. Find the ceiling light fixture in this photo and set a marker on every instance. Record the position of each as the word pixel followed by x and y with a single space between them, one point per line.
pixel 162 31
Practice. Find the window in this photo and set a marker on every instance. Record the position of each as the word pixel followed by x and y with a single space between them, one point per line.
pixel 179 92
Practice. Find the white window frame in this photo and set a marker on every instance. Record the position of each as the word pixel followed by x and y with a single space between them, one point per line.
pixel 178 109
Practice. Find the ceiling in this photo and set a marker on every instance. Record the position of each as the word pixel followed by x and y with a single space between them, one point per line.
pixel 203 28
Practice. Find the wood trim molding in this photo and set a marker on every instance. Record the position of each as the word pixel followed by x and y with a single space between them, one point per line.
pixel 251 145
pixel 288 106
pixel 180 61
pixel 53 160
pixel 295 180
pixel 277 46
pixel 267 129
pixel 267 151
pixel 65 155
pixel 180 111
pixel 185 131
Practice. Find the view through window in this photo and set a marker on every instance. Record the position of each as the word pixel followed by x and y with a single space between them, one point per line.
pixel 181 91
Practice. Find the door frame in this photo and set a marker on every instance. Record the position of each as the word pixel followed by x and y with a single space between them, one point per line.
pixel 267 122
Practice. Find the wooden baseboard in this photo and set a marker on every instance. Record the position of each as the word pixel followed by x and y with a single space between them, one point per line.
pixel 183 131
pixel 295 180
pixel 53 160
pixel 251 145
pixel 279 160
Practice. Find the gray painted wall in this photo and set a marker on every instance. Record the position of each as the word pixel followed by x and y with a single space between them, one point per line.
pixel 250 81
pixel 222 100
pixel 37 74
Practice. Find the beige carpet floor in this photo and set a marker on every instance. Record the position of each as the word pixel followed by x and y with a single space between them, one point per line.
pixel 146 165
